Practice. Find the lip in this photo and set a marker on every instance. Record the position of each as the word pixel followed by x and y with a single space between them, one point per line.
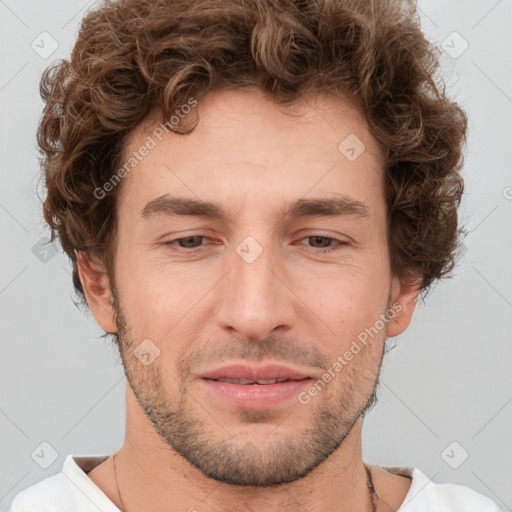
pixel 254 396
pixel 254 372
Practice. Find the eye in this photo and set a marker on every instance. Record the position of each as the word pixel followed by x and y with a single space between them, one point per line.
pixel 323 243
pixel 326 243
pixel 189 242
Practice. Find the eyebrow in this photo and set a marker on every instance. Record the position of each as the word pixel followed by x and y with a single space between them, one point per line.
pixel 168 205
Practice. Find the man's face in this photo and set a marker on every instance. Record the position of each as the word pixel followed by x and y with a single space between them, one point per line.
pixel 254 295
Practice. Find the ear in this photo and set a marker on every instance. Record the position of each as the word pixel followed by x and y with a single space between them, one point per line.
pixel 404 297
pixel 96 285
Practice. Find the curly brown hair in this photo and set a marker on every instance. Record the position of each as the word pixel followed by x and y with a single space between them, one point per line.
pixel 135 57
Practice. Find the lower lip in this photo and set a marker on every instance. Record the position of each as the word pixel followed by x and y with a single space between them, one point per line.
pixel 255 396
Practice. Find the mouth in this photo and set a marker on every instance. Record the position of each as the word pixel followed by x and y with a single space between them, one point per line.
pixel 244 382
pixel 254 387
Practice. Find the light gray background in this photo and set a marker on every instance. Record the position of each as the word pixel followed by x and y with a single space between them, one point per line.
pixel 448 379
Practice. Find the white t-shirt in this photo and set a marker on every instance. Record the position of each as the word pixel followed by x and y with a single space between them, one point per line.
pixel 72 490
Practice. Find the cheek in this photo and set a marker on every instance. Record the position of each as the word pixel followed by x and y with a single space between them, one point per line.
pixel 349 301
pixel 160 300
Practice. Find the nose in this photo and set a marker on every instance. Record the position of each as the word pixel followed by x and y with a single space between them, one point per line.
pixel 256 300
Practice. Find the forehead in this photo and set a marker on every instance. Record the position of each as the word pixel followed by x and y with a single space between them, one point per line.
pixel 247 148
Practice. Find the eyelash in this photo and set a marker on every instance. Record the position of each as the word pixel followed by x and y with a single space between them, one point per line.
pixel 339 244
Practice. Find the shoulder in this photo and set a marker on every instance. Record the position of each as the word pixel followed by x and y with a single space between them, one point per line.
pixel 70 490
pixel 425 495
pixel 48 493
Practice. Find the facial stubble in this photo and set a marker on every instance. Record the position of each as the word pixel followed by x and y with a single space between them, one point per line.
pixel 192 431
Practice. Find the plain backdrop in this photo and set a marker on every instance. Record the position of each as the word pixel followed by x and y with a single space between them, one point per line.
pixel 445 400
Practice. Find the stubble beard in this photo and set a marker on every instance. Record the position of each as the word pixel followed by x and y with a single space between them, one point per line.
pixel 192 433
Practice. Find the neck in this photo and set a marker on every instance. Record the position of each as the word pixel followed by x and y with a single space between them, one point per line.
pixel 150 472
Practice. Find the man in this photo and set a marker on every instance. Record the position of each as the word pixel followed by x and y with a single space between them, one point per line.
pixel 253 195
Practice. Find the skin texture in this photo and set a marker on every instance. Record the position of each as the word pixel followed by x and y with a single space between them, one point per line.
pixel 293 304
